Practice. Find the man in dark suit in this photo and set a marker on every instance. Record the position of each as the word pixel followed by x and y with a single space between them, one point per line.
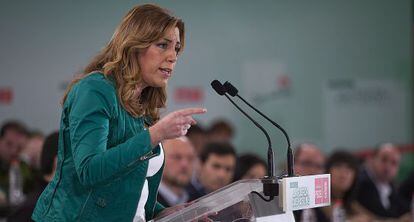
pixel 217 165
pixel 179 166
pixel 376 191
pixel 309 160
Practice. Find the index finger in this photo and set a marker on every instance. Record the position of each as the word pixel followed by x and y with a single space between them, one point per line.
pixel 191 111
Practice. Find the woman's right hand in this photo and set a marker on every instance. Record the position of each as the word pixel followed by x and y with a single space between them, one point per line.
pixel 174 124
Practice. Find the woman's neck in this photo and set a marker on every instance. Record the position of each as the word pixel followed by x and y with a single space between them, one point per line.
pixel 139 88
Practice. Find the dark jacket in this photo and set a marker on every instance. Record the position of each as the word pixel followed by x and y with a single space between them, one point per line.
pixel 368 197
pixel 320 216
pixel 195 191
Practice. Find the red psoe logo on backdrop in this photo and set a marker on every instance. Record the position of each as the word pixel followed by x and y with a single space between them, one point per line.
pixel 283 82
pixel 188 95
pixel 321 190
pixel 6 96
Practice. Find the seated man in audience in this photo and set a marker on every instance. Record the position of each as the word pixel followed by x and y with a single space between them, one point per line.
pixel 179 163
pixel 217 164
pixel 13 137
pixel 376 191
pixel 32 150
pixel 309 160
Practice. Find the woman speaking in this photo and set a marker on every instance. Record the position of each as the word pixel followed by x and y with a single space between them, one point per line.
pixel 110 159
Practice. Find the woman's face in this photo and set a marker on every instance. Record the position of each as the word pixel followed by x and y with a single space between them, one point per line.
pixel 342 177
pixel 157 62
pixel 256 172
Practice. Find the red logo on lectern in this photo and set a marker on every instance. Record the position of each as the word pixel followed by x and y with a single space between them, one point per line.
pixel 321 190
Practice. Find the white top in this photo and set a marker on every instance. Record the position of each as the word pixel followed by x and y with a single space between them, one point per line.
pixel 384 191
pixel 154 165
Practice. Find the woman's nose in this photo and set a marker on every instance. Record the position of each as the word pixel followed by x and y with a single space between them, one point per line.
pixel 172 56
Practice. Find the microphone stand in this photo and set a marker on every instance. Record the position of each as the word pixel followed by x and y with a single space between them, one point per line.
pixel 270 183
pixel 290 162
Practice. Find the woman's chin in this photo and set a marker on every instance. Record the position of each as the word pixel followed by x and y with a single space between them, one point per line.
pixel 160 84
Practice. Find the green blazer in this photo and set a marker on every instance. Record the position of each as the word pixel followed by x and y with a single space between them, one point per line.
pixel 102 159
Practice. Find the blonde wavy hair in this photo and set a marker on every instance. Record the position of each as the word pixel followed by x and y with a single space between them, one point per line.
pixel 142 26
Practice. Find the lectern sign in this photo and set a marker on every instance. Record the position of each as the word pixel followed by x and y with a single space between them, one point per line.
pixel 305 192
pixel 322 190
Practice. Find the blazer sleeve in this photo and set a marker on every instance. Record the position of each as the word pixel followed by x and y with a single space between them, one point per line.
pixel 91 107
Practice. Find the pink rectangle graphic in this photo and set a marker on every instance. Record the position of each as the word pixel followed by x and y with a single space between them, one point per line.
pixel 321 190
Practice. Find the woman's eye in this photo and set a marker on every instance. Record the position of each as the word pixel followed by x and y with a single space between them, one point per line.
pixel 162 45
pixel 177 49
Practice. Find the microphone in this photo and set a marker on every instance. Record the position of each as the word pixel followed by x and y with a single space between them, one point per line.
pixel 270 184
pixel 231 90
pixel 218 87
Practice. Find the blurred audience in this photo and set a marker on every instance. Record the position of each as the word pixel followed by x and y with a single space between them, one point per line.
pixel 48 161
pixel 344 168
pixel 309 160
pixel 198 137
pixel 217 164
pixel 376 189
pixel 221 131
pixel 204 161
pixel 31 151
pixel 179 163
pixel 13 137
pixel 249 166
